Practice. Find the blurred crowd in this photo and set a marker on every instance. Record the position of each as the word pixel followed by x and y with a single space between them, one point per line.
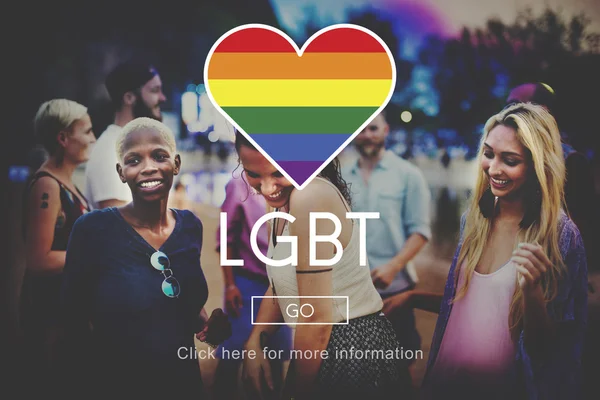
pixel 113 267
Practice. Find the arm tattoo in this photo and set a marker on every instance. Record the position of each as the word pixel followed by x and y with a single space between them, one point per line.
pixel 44 200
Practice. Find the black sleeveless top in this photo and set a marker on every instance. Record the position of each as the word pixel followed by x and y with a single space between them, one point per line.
pixel 71 209
pixel 40 297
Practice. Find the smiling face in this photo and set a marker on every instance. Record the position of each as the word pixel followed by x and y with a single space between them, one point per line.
pixel 505 161
pixel 148 165
pixel 264 177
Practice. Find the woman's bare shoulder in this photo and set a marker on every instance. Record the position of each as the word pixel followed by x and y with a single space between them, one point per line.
pixel 44 188
pixel 317 195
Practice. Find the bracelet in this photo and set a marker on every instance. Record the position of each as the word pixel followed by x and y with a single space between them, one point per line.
pixel 231 286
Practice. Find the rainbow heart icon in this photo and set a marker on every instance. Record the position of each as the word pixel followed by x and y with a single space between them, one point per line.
pixel 300 107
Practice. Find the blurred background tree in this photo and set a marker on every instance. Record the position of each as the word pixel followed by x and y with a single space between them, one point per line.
pixel 74 45
pixel 473 73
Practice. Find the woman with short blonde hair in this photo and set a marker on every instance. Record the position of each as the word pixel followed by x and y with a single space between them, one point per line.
pixel 52 205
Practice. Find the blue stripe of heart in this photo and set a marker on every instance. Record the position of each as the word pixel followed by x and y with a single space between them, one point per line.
pixel 300 147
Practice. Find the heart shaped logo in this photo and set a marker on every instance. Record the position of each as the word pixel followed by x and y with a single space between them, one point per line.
pixel 300 107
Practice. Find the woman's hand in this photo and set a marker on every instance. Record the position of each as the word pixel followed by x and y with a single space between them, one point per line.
pixel 532 263
pixel 233 300
pixel 396 303
pixel 539 330
pixel 216 329
pixel 384 275
pixel 256 372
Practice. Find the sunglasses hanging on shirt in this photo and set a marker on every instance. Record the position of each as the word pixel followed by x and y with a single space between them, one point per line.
pixel 170 286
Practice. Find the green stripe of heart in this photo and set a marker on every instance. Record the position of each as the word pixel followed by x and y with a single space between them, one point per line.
pixel 306 120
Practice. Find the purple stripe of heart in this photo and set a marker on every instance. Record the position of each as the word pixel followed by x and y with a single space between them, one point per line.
pixel 300 171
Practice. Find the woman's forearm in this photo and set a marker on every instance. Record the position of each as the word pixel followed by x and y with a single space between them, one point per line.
pixel 228 275
pixel 49 263
pixel 538 328
pixel 310 344
pixel 203 315
pixel 311 339
pixel 268 313
pixel 426 301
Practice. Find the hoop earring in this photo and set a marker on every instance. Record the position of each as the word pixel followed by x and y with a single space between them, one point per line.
pixel 487 203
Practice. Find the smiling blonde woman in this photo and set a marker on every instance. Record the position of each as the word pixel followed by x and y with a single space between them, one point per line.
pixel 513 314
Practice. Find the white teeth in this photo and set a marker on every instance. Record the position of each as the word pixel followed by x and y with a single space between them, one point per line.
pixel 274 196
pixel 150 184
pixel 499 182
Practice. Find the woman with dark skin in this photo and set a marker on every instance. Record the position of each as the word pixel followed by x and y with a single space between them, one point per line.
pixel 133 273
pixel 324 376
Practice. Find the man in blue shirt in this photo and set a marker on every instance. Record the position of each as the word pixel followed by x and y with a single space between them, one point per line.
pixel 383 182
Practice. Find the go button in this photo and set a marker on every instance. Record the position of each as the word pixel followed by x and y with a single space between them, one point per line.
pixel 296 307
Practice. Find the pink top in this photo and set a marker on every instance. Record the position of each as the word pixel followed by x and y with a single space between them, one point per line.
pixel 477 342
pixel 243 209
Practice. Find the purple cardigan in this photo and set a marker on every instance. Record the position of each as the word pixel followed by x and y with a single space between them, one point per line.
pixel 559 376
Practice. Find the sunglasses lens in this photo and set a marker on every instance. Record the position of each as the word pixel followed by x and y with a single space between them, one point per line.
pixel 170 287
pixel 159 261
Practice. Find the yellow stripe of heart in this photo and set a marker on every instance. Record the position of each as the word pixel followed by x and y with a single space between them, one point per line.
pixel 299 92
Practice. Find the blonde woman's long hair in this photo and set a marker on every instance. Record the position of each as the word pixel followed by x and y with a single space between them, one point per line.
pixel 538 132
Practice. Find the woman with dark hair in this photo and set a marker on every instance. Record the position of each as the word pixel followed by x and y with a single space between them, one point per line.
pixel 325 338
